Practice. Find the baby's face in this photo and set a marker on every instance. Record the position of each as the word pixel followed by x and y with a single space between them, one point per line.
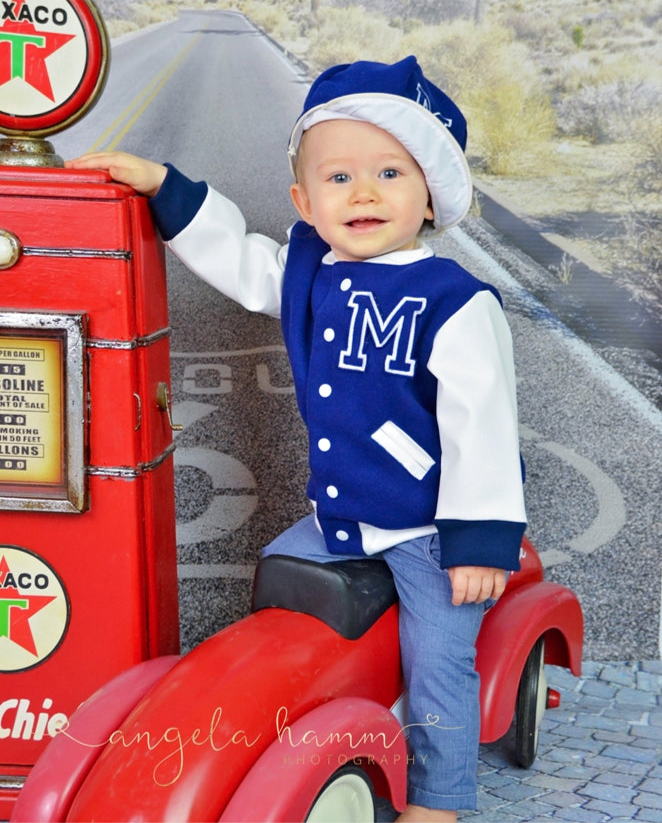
pixel 360 188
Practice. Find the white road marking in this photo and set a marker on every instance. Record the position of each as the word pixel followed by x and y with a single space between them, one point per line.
pixel 235 353
pixel 226 512
pixel 611 506
pixel 611 516
pixel 189 412
pixel 212 571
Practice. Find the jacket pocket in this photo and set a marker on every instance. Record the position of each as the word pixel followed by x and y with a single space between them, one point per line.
pixel 404 449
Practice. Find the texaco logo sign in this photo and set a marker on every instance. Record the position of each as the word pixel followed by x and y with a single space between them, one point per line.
pixel 34 609
pixel 53 64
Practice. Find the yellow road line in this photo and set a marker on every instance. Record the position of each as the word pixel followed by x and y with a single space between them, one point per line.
pixel 142 101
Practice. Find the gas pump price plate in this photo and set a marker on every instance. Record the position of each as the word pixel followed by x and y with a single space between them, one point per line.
pixel 53 64
pixel 41 411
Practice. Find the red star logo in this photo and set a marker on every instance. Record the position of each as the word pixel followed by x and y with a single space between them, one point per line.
pixel 24 49
pixel 17 608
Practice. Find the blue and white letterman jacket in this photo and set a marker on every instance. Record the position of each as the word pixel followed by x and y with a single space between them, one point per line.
pixel 404 376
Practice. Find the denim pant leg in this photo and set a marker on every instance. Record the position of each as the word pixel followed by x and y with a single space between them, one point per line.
pixel 304 540
pixel 437 642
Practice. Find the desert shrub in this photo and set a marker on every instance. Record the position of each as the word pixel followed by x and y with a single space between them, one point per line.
pixel 455 55
pixel 498 87
pixel 144 14
pixel 278 19
pixel 578 36
pixel 514 128
pixel 346 35
pixel 647 180
pixel 429 12
pixel 405 24
pixel 115 10
pixel 636 255
pixel 116 28
pixel 636 251
pixel 648 159
pixel 609 111
pixel 534 26
pixel 432 12
pixel 122 16
pixel 587 67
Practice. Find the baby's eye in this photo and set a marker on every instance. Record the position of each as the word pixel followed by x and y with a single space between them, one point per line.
pixel 341 177
pixel 390 174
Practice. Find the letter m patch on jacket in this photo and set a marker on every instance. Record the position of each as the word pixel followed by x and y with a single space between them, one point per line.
pixel 395 334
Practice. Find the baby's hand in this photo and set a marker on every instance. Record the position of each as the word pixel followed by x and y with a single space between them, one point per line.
pixel 475 584
pixel 144 176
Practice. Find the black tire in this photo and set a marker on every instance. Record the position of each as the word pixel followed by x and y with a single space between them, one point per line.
pixel 346 796
pixel 530 705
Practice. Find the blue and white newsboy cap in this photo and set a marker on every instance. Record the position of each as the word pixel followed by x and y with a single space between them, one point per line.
pixel 399 99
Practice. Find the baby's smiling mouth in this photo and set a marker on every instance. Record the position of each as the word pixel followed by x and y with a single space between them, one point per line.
pixel 364 223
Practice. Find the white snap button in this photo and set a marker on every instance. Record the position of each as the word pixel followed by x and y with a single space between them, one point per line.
pixel 342 535
pixel 329 334
pixel 346 284
pixel 324 444
pixel 332 491
pixel 325 390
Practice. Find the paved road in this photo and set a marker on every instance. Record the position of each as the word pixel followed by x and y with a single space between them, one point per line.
pixel 598 755
pixel 211 94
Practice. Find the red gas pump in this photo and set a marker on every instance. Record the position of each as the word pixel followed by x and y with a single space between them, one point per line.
pixel 88 581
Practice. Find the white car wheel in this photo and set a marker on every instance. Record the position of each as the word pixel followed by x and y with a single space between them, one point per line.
pixel 347 797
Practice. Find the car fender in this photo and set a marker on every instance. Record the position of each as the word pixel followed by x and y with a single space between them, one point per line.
pixel 509 632
pixel 184 750
pixel 59 772
pixel 283 783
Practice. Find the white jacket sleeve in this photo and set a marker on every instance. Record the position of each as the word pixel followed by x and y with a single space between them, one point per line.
pixel 481 471
pixel 247 268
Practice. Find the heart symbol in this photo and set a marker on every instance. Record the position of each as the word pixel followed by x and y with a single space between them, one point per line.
pixel 432 719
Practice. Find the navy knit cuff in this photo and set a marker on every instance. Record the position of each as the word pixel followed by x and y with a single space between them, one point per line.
pixel 176 203
pixel 488 543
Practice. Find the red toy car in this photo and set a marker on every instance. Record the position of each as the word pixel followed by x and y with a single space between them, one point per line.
pixel 292 713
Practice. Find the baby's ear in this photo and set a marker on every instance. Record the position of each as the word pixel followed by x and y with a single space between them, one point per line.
pixel 429 212
pixel 301 202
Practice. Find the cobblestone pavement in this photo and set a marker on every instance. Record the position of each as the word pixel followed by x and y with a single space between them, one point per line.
pixel 599 754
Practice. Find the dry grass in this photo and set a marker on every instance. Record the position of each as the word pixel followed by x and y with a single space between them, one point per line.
pixel 603 184
pixel 563 99
pixel 122 16
pixel 564 102
pixel 497 85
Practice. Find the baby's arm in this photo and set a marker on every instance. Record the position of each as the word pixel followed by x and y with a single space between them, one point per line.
pixel 144 176
pixel 480 510
pixel 204 229
pixel 475 584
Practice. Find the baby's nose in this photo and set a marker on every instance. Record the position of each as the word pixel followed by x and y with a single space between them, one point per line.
pixel 365 191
